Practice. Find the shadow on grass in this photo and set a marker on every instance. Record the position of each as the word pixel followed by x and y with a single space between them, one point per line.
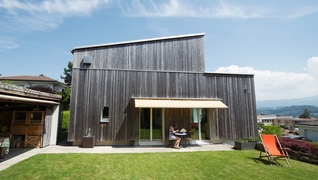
pixel 265 161
pixel 153 146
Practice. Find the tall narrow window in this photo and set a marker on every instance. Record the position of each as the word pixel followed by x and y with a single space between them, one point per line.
pixel 104 114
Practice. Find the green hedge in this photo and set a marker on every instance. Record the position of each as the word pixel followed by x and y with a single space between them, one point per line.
pixel 65 120
pixel 272 130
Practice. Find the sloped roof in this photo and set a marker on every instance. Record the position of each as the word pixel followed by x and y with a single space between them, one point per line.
pixel 136 41
pixel 12 90
pixel 28 78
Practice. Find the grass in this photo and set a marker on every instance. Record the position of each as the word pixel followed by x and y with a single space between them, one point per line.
pixel 145 134
pixel 181 165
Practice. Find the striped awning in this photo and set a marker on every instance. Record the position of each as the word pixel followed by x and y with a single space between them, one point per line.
pixel 178 103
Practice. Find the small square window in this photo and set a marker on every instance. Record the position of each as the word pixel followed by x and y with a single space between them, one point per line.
pixel 104 114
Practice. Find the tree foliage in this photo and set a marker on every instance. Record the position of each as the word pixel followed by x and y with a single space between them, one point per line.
pixel 68 74
pixel 66 93
pixel 306 114
pixel 66 97
pixel 65 120
pixel 6 82
pixel 260 125
pixel 272 130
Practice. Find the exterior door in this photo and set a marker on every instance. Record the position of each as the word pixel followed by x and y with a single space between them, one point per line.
pixel 151 124
pixel 199 124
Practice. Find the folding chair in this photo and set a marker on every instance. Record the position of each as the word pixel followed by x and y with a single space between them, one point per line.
pixel 273 149
pixel 170 142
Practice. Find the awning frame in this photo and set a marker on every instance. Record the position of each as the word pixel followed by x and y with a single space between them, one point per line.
pixel 178 103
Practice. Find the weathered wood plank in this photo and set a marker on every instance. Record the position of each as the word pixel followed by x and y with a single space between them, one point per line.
pixel 168 69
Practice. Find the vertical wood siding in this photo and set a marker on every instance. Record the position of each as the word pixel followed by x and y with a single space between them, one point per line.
pixel 183 54
pixel 115 89
pixel 161 69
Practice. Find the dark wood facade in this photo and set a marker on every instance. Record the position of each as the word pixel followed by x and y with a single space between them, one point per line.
pixel 156 68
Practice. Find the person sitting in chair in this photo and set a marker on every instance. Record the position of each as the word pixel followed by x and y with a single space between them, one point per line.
pixel 173 129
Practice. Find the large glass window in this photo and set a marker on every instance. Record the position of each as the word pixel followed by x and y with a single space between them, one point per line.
pixel 151 124
pixel 199 124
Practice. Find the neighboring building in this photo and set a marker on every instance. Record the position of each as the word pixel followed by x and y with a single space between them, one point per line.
pixel 134 91
pixel 284 121
pixel 309 129
pixel 278 120
pixel 266 119
pixel 28 81
pixel 290 121
pixel 28 117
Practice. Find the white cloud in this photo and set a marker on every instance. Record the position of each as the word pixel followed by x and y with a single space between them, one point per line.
pixel 303 11
pixel 47 14
pixel 7 43
pixel 312 66
pixel 277 85
pixel 23 17
pixel 64 8
pixel 214 9
pixel 184 8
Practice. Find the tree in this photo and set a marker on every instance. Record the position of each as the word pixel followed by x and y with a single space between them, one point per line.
pixel 272 130
pixel 66 93
pixel 306 114
pixel 68 74
pixel 66 97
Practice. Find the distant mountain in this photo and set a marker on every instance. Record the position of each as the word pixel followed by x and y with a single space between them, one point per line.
pixel 294 111
pixel 313 100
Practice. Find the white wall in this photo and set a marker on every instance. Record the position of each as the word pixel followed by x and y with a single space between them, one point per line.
pixel 310 132
pixel 54 125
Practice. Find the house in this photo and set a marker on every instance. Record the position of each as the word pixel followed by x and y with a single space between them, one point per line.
pixel 284 121
pixel 134 91
pixel 309 129
pixel 28 117
pixel 265 119
pixel 28 81
pixel 289 121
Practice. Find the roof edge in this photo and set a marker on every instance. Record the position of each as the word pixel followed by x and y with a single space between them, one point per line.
pixel 229 73
pixel 137 41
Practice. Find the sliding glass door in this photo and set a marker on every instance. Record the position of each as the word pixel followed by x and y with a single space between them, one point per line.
pixel 151 124
pixel 199 124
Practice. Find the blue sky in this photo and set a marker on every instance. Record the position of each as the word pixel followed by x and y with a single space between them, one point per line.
pixel 275 40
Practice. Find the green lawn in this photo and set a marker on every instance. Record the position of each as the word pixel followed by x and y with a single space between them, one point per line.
pixel 187 165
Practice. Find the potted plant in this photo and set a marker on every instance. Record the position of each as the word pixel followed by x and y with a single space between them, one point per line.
pixel 244 144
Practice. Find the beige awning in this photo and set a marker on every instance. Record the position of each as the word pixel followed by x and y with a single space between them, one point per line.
pixel 15 98
pixel 178 103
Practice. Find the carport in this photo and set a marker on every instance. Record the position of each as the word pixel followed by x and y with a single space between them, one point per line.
pixel 28 117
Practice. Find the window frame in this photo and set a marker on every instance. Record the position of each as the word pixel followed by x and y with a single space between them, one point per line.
pixel 102 117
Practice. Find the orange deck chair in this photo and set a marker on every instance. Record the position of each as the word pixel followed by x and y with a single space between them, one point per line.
pixel 273 149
